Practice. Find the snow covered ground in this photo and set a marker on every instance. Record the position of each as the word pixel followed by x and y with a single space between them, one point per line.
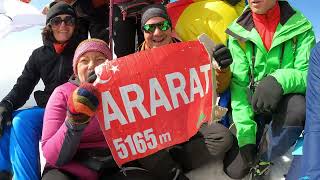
pixel 213 170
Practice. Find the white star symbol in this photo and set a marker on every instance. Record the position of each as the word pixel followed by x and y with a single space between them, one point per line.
pixel 114 68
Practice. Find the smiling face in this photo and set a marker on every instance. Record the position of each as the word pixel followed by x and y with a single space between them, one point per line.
pixel 158 37
pixel 62 27
pixel 87 62
pixel 261 6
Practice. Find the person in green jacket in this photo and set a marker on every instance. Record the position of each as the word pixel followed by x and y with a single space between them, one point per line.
pixel 270 44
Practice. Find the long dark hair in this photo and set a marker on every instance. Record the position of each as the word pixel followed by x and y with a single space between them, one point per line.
pixel 47 34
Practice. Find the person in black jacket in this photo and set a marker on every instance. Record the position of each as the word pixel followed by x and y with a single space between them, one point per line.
pixel 92 17
pixel 52 63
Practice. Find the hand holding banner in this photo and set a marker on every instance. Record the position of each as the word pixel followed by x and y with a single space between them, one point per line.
pixel 154 99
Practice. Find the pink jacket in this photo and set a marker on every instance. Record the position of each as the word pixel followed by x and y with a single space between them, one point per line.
pixel 56 144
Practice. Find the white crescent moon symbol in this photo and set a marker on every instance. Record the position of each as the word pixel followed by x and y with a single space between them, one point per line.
pixel 100 81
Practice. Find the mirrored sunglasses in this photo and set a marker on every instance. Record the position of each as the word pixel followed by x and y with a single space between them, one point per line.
pixel 163 26
pixel 68 21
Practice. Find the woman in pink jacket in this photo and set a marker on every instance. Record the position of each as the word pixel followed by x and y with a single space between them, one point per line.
pixel 72 141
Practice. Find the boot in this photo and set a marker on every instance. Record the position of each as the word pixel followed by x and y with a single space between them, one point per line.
pixel 261 171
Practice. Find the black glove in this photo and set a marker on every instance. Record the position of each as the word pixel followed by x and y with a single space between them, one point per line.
pixel 233 2
pixel 91 77
pixel 249 153
pixel 6 110
pixel 267 95
pixel 222 55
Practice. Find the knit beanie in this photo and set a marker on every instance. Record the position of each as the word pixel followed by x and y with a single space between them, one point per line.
pixel 90 45
pixel 59 8
pixel 154 10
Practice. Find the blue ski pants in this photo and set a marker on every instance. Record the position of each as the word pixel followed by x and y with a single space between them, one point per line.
pixel 19 145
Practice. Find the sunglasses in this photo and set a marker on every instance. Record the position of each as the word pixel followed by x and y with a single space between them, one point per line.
pixel 68 21
pixel 163 26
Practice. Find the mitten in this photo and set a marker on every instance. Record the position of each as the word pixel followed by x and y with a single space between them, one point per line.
pixel 267 95
pixel 82 104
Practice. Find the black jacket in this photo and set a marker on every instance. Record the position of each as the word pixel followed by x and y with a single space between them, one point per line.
pixel 45 64
pixel 92 20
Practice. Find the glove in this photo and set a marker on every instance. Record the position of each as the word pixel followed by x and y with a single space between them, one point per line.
pixel 233 2
pixel 82 104
pixel 222 55
pixel 6 110
pixel 267 95
pixel 91 77
pixel 249 153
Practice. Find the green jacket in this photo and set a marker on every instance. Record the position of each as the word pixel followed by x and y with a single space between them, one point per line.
pixel 292 41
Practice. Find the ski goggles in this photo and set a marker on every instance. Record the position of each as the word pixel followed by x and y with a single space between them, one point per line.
pixel 163 26
pixel 68 21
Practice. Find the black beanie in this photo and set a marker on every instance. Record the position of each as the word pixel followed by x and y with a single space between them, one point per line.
pixel 154 10
pixel 59 8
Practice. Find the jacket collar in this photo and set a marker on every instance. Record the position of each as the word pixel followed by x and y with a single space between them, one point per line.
pixel 70 46
pixel 272 16
pixel 246 19
pixel 74 80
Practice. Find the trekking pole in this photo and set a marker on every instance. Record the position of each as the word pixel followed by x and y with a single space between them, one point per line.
pixel 111 26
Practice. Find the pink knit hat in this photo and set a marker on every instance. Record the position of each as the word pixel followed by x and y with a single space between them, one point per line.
pixel 90 45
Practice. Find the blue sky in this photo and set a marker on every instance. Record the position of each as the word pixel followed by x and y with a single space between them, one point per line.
pixel 311 9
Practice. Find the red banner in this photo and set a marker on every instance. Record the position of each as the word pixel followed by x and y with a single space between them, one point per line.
pixel 154 99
